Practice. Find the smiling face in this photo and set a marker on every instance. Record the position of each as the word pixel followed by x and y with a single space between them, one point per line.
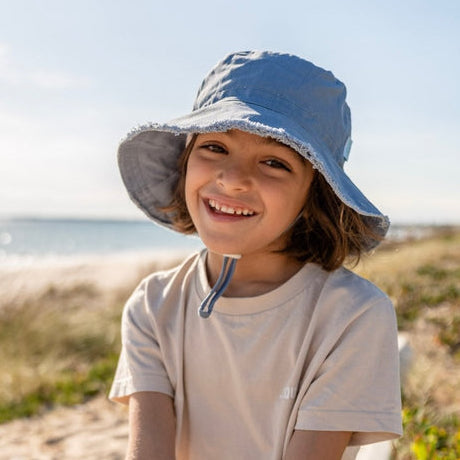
pixel 244 191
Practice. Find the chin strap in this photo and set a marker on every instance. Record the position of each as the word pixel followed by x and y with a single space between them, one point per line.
pixel 228 267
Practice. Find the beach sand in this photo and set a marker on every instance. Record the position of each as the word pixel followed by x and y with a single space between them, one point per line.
pixel 107 273
pixel 96 430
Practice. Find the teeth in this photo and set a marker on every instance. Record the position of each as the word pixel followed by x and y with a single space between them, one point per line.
pixel 229 210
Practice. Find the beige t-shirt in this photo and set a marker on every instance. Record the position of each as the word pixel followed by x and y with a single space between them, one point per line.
pixel 317 353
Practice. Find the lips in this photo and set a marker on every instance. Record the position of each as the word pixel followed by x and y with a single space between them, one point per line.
pixel 229 210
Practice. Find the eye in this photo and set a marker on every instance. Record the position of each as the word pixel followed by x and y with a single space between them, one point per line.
pixel 277 164
pixel 215 148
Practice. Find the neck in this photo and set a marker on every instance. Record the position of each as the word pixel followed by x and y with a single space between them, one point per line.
pixel 255 274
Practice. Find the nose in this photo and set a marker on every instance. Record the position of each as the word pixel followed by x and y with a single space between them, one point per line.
pixel 234 176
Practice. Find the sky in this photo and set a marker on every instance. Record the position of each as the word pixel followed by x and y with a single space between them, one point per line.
pixel 76 76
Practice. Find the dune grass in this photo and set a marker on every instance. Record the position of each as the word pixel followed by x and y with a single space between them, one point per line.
pixel 423 280
pixel 61 347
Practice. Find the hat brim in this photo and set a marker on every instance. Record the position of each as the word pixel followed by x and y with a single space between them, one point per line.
pixel 148 157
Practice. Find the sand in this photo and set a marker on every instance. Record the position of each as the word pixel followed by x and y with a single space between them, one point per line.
pixel 28 278
pixel 93 431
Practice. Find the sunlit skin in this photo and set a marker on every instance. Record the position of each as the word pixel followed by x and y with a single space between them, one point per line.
pixel 243 193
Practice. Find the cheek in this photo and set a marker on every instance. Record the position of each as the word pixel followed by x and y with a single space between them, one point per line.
pixel 198 174
pixel 290 200
pixel 188 192
pixel 193 180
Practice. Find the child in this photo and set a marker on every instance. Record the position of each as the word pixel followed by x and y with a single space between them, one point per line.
pixel 291 355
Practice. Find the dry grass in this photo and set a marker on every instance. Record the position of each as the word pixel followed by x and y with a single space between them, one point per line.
pixel 423 280
pixel 59 343
pixel 58 337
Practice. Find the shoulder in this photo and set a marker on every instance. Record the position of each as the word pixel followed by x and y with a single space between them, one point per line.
pixel 156 288
pixel 353 288
pixel 346 297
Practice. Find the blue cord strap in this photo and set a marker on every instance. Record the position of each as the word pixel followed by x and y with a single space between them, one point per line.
pixel 222 282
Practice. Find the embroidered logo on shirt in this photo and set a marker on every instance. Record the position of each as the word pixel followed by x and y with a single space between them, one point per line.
pixel 288 393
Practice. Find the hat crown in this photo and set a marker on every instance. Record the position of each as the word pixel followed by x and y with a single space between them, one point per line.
pixel 304 93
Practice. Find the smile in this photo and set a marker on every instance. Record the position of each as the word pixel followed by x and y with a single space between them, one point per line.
pixel 235 211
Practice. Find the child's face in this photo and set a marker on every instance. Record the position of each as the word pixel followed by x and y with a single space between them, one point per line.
pixel 244 191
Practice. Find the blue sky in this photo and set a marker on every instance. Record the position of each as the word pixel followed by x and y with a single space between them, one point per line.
pixel 75 76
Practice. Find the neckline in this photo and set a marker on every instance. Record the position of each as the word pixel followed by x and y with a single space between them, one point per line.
pixel 250 305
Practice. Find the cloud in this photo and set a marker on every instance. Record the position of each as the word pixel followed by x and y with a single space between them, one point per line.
pixel 15 73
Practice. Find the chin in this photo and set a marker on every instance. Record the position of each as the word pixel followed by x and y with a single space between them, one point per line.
pixel 222 244
pixel 224 250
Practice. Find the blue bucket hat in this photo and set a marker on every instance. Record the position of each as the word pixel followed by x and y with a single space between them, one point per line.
pixel 265 93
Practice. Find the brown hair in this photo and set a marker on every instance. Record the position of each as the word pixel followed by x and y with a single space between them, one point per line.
pixel 327 233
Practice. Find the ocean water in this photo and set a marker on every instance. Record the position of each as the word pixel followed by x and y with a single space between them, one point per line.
pixel 29 239
pixel 26 240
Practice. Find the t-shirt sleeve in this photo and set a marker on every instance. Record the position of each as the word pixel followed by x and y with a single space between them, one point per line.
pixel 357 387
pixel 140 365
